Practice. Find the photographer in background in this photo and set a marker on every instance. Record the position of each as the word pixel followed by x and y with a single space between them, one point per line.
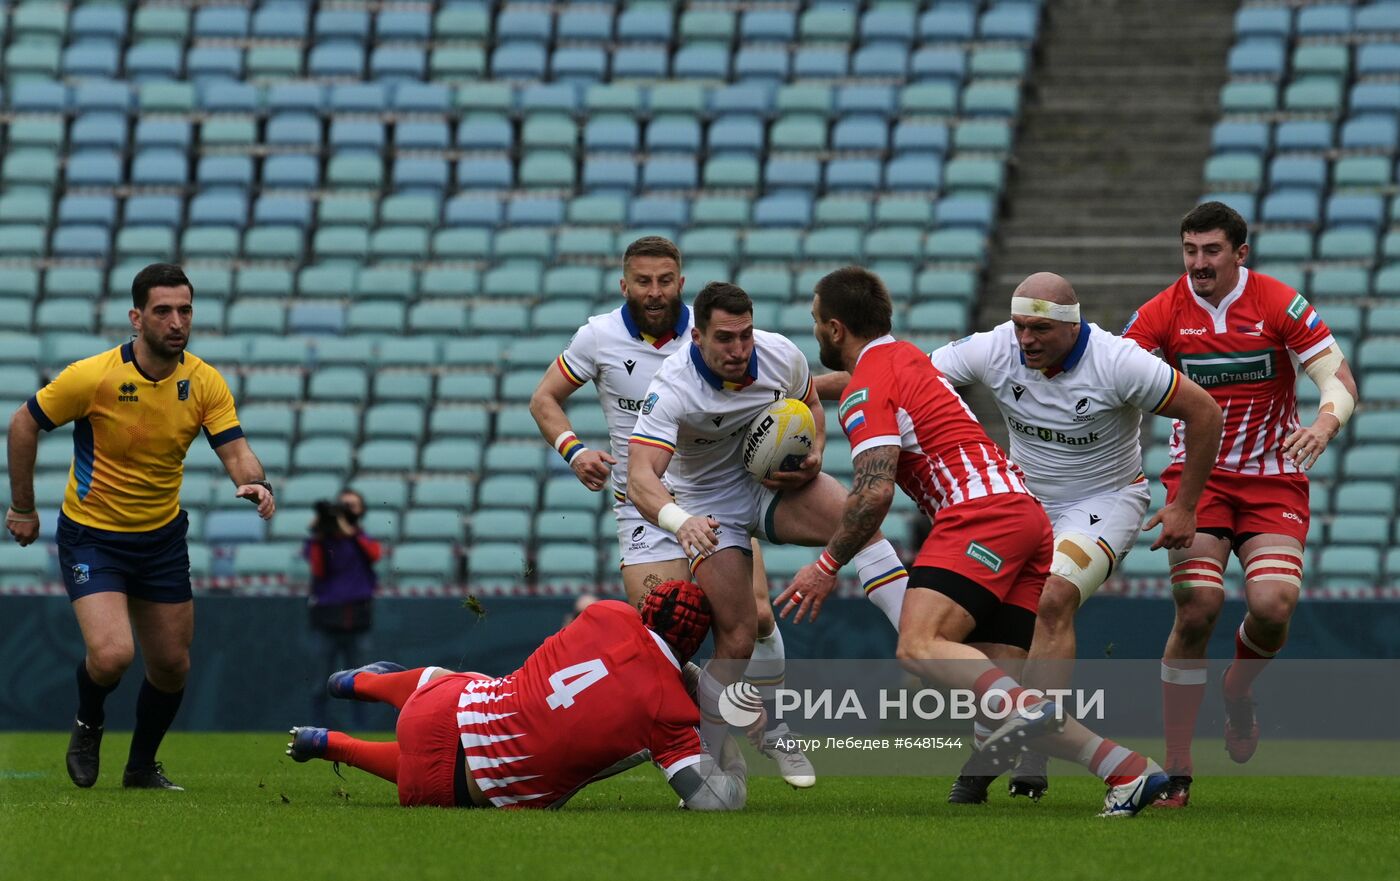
pixel 343 582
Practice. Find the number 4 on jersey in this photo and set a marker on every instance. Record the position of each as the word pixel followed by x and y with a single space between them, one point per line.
pixel 570 681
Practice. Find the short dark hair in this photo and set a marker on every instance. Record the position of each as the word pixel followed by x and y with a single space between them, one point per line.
pixel 720 295
pixel 157 275
pixel 1216 215
pixel 652 246
pixel 857 298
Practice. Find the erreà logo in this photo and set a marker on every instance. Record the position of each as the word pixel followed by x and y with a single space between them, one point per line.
pixel 859 396
pixel 126 393
pixel 984 556
pixel 1224 368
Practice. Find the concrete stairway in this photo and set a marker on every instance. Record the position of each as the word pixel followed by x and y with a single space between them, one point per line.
pixel 1114 138
pixel 1115 135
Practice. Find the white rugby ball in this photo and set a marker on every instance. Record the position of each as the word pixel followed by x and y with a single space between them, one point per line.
pixel 779 438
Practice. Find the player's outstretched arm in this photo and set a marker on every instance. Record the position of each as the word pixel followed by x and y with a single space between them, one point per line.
pixel 1201 416
pixel 828 386
pixel 247 474
pixel 872 491
pixel 1331 373
pixel 22 519
pixel 646 464
pixel 591 467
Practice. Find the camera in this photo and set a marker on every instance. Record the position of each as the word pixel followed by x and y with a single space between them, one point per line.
pixel 328 517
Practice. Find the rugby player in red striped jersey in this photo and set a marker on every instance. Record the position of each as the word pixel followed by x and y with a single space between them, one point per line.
pixel 1240 335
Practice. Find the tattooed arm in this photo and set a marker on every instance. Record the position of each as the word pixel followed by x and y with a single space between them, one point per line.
pixel 866 507
pixel 869 502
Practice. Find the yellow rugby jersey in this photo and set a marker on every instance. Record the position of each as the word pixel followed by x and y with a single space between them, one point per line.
pixel 131 433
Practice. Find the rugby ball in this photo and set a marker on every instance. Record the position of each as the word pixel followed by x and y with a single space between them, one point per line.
pixel 779 438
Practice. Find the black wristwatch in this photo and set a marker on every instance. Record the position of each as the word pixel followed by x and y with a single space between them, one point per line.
pixel 264 484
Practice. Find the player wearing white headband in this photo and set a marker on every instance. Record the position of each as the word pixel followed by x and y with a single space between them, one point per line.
pixel 1073 395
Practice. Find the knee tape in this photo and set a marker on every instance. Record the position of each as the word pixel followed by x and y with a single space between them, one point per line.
pixel 1282 563
pixel 1082 561
pixel 1198 572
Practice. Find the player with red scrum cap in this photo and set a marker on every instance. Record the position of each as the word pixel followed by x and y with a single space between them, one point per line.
pixel 602 695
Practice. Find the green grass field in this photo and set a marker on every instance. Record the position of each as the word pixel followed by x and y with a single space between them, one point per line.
pixel 252 814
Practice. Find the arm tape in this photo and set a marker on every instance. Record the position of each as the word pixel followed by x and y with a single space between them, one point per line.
pixel 1323 371
pixel 671 517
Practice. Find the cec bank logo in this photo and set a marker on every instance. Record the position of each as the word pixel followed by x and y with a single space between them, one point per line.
pixel 740 704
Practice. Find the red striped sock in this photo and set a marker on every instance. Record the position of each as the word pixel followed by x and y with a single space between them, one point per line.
pixel 1183 687
pixel 996 680
pixel 380 758
pixel 1250 660
pixel 389 688
pixel 1115 764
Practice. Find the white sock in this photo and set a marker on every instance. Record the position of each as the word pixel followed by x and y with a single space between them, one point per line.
pixel 713 728
pixel 767 664
pixel 884 578
pixel 426 675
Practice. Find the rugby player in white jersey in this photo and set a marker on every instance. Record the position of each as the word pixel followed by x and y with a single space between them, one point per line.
pixel 1072 395
pixel 620 351
pixel 692 424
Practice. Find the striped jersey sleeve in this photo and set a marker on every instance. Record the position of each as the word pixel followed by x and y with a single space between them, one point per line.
pixel 579 362
pixel 1144 380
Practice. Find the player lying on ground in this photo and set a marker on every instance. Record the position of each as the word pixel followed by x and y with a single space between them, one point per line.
pixel 978 576
pixel 602 695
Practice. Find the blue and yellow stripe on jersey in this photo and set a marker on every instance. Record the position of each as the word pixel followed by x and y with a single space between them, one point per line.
pixel 718 382
pixel 656 342
pixel 131 433
pixel 1170 393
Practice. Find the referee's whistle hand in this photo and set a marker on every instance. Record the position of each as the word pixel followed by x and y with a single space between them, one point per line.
pixel 259 496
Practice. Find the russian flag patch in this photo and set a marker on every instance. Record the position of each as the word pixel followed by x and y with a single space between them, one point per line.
pixel 853 420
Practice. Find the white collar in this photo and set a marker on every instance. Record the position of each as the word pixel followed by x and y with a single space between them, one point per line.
pixel 878 341
pixel 1218 313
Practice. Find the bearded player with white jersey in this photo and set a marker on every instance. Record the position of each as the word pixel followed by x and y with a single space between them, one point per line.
pixel 619 352
pixel 1241 335
pixel 693 422
pixel 1073 395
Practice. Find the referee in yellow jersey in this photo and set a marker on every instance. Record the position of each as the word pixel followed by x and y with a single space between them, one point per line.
pixel 121 536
